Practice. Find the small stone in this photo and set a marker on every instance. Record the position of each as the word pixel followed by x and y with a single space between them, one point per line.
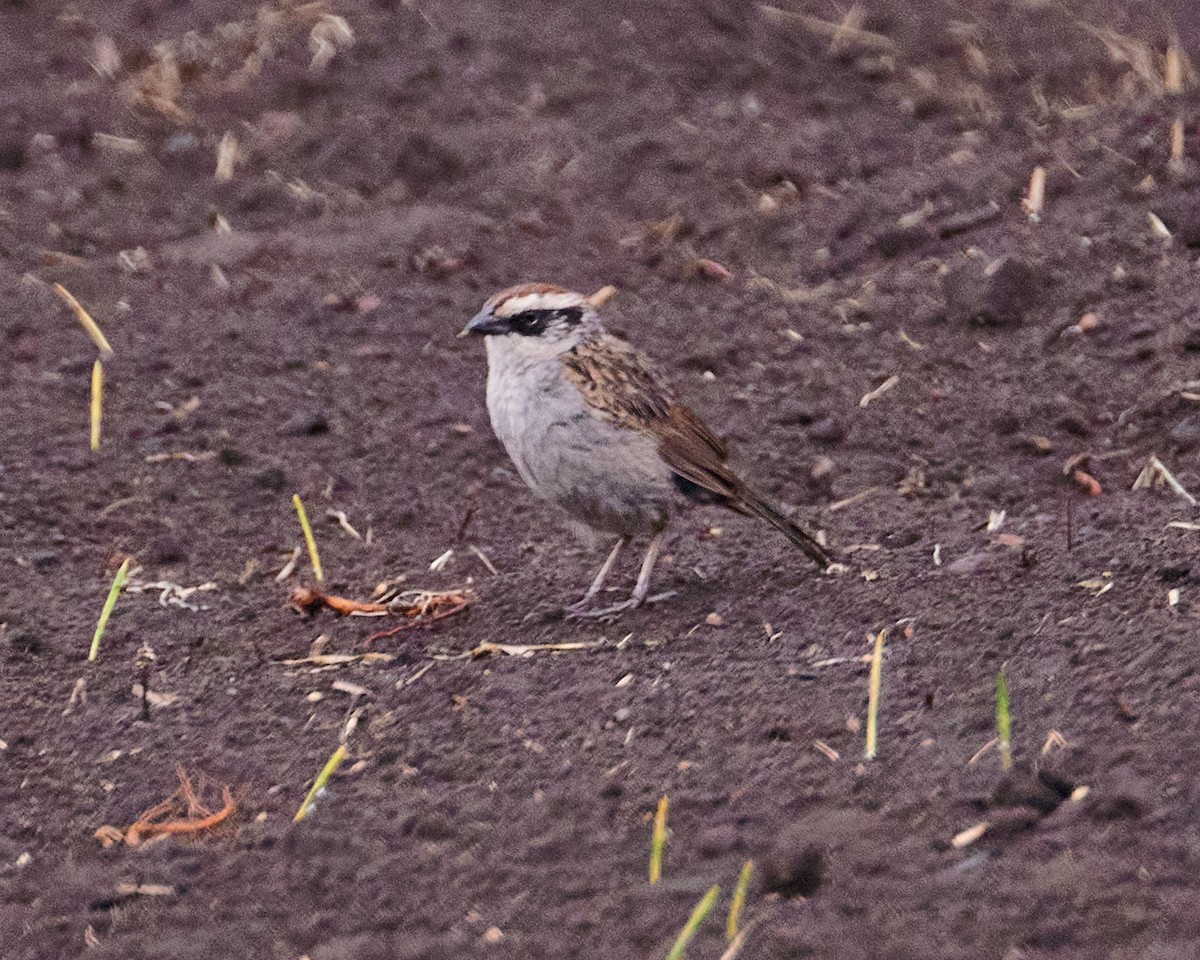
pixel 828 430
pixel 822 468
pixel 1186 433
pixel 44 559
pixel 305 423
pixel 971 563
pixel 792 412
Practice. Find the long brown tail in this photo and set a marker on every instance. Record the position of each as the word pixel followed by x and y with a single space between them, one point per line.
pixel 755 505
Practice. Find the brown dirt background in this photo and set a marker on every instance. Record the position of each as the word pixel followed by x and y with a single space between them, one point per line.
pixel 461 146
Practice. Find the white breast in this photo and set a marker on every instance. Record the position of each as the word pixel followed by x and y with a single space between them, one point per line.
pixel 608 476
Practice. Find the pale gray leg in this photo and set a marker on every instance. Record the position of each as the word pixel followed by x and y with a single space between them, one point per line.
pixel 643 581
pixel 640 591
pixel 601 577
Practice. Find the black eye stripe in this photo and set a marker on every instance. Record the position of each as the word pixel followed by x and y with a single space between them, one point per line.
pixel 530 323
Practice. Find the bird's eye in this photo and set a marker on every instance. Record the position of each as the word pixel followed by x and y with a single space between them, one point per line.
pixel 533 322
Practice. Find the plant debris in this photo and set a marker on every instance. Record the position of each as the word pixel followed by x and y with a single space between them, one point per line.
pixel 1155 473
pixel 528 650
pixel 969 836
pixel 184 811
pixel 419 607
pixel 311 599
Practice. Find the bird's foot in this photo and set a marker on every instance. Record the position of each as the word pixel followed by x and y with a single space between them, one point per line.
pixel 581 611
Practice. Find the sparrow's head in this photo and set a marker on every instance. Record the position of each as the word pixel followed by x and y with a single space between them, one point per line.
pixel 531 310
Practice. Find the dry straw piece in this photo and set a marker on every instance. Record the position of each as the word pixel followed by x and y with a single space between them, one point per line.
pixel 84 318
pixel 658 840
pixel 873 697
pixel 842 34
pixel 1156 472
pixel 970 835
pixel 739 900
pixel 309 538
pixel 227 155
pixel 1035 199
pixel 97 405
pixel 879 391
pixel 1174 68
pixel 1177 144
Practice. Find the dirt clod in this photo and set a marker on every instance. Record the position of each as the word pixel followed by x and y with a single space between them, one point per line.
pixel 794 867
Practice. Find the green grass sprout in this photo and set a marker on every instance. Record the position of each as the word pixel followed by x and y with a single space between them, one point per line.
pixel 873 697
pixel 739 900
pixel 109 602
pixel 309 538
pixel 699 915
pixel 319 784
pixel 1003 720
pixel 659 840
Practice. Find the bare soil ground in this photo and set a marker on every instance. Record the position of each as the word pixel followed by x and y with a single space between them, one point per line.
pixel 862 187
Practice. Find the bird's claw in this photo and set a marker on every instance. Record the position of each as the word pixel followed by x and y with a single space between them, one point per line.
pixel 581 611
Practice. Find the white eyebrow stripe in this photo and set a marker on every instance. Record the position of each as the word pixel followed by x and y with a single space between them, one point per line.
pixel 538 301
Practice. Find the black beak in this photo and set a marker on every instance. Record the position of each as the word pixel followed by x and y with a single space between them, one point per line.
pixel 486 323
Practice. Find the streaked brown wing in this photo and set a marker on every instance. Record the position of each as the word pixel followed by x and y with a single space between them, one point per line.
pixel 622 384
